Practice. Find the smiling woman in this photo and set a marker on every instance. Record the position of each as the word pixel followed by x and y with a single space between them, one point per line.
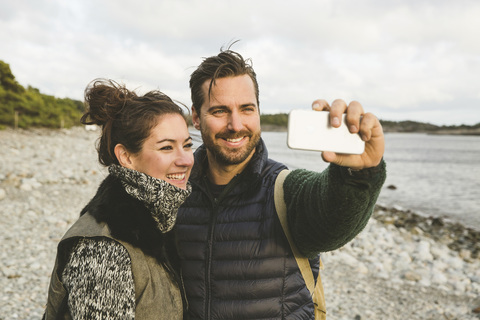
pixel 118 258
pixel 166 153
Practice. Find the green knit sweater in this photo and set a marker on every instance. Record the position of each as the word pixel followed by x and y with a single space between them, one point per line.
pixel 328 209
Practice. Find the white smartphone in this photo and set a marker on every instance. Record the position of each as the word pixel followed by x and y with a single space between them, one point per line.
pixel 311 130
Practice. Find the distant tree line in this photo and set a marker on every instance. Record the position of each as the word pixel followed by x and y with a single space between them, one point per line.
pixel 279 119
pixel 413 126
pixel 281 122
pixel 25 108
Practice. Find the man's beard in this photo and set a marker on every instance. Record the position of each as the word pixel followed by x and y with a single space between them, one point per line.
pixel 232 156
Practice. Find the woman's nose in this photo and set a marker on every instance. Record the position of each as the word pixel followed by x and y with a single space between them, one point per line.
pixel 185 158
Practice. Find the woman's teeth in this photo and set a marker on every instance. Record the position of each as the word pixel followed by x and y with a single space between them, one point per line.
pixel 176 176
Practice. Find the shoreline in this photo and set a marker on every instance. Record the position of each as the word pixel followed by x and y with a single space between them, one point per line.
pixel 402 266
pixel 458 237
pixel 453 132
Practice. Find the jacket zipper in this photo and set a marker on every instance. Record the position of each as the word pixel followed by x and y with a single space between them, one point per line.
pixel 208 261
pixel 215 205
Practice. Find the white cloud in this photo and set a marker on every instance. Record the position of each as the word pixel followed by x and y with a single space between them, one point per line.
pixel 399 58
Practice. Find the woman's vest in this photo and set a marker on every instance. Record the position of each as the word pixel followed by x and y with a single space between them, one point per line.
pixel 156 295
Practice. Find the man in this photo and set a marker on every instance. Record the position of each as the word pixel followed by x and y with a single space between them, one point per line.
pixel 236 262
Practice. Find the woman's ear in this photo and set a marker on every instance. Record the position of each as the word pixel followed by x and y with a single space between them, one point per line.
pixel 195 118
pixel 123 156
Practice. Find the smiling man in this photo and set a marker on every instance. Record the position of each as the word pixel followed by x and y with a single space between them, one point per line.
pixel 236 261
pixel 230 125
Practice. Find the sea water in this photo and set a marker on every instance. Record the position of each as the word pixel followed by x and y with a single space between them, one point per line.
pixel 432 175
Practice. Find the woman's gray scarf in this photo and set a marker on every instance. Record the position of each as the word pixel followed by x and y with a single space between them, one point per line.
pixel 160 197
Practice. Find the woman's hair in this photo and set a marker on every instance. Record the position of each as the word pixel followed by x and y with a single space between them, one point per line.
pixel 125 117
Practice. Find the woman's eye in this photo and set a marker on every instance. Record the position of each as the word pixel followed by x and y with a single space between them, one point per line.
pixel 188 146
pixel 166 148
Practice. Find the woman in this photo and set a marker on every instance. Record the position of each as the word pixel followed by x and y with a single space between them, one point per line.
pixel 118 259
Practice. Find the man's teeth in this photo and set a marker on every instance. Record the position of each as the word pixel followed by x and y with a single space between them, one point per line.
pixel 178 176
pixel 235 140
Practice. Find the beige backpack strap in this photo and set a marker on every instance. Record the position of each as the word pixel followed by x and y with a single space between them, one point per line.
pixel 316 291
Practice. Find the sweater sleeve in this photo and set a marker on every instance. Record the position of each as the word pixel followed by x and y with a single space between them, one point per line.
pixel 99 281
pixel 328 209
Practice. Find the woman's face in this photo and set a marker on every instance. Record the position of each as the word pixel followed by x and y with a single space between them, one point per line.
pixel 167 153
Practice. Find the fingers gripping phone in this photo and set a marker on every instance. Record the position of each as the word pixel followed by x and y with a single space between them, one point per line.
pixel 311 130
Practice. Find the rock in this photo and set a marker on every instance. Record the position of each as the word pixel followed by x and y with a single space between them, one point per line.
pixel 26 187
pixel 422 252
pixel 91 127
pixel 416 231
pixel 439 278
pixel 455 263
pixel 362 268
pixel 465 254
pixel 412 276
pixel 28 184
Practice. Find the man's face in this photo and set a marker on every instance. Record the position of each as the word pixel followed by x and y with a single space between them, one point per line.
pixel 229 120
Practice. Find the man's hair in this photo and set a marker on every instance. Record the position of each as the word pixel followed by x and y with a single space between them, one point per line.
pixel 227 63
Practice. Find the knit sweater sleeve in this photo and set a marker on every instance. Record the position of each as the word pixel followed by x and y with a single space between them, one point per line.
pixel 328 209
pixel 99 281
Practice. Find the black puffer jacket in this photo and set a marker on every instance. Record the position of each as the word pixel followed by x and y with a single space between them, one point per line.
pixel 236 261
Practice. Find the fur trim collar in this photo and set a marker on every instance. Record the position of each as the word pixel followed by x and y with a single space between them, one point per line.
pixel 129 219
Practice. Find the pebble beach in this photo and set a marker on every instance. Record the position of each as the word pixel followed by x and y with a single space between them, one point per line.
pixel 402 266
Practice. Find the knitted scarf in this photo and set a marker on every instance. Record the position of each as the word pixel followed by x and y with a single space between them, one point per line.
pixel 160 197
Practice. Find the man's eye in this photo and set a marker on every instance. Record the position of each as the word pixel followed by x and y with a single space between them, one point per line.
pixel 218 111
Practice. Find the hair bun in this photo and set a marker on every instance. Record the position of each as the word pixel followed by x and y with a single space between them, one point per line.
pixel 104 100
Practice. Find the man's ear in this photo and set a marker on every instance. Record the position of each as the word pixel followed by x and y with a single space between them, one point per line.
pixel 195 118
pixel 123 156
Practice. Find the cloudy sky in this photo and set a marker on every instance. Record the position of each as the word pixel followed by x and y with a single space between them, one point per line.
pixel 402 59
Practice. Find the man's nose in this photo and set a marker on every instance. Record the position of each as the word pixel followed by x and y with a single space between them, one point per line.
pixel 235 122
